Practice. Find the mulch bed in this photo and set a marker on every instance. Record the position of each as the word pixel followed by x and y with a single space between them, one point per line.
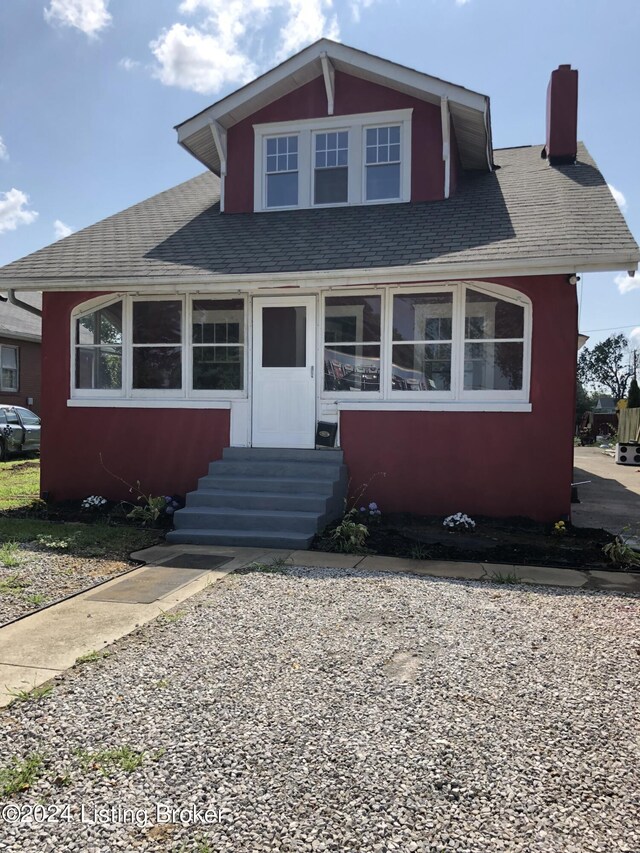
pixel 514 541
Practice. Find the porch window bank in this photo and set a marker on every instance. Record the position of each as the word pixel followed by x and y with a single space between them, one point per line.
pixel 449 342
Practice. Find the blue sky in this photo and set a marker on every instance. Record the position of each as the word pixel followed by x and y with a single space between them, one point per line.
pixel 90 91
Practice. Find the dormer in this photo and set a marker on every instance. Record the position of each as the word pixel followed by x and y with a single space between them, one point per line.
pixel 335 126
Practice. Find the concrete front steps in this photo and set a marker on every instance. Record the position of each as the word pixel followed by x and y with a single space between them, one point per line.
pixel 265 497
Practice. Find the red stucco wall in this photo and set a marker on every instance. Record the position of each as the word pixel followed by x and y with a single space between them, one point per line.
pixel 166 449
pixel 491 463
pixel 353 95
pixel 498 464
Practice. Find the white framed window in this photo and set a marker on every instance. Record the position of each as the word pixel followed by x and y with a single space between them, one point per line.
pixel 331 167
pixel 382 163
pixel 159 347
pixel 281 171
pixel 464 342
pixel 8 368
pixel 363 158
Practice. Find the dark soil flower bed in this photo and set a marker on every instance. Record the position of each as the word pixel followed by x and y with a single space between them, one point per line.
pixel 515 541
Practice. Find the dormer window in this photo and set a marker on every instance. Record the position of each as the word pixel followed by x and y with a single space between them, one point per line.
pixel 334 160
pixel 282 171
pixel 331 178
pixel 382 159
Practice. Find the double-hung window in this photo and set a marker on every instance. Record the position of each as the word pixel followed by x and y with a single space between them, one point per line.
pixel 382 163
pixel 9 368
pixel 217 327
pixel 494 340
pixel 157 344
pixel 331 168
pixel 352 338
pixel 98 348
pixel 422 342
pixel 281 171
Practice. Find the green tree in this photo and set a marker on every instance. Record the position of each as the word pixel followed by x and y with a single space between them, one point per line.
pixel 633 400
pixel 607 366
pixel 584 401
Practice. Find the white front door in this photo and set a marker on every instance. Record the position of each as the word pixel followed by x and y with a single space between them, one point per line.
pixel 284 386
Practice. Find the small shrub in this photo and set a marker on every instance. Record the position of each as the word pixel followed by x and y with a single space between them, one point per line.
pixel 505 577
pixel 106 760
pixel 277 566
pixel 35 598
pixel 91 657
pixel 419 552
pixel 13 585
pixel 47 541
pixel 32 695
pixel 350 535
pixel 620 552
pixel 93 503
pixel 559 528
pixel 370 514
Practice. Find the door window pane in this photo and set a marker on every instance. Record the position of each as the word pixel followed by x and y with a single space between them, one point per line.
pixel 284 336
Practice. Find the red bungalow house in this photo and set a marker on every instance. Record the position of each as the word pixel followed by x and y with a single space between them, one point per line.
pixel 356 255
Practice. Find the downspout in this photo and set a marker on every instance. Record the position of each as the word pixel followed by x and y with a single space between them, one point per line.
pixel 446 143
pixel 13 299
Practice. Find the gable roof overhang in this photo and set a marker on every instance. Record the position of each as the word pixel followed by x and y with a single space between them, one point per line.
pixel 201 134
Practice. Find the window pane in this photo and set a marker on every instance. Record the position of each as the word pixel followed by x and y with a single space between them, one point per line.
pixel 282 189
pixel 28 417
pixel 103 326
pixel 9 357
pixel 422 317
pixel 99 368
pixel 284 336
pixel 157 367
pixel 394 134
pixel 354 368
pixel 493 367
pixel 272 146
pixel 352 318
pixel 383 181
pixel 331 186
pixel 218 368
pixel 12 418
pixel 9 379
pixel 218 321
pixel 157 322
pixel 490 317
pixel 421 367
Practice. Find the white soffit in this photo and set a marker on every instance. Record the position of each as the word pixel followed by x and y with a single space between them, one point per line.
pixel 469 110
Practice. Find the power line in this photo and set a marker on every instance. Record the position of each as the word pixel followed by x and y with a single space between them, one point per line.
pixel 612 328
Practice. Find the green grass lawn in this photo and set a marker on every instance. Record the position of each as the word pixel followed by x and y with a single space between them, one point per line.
pixel 19 483
pixel 20 487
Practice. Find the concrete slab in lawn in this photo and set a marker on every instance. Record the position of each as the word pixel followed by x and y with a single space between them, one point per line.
pixel 323 559
pixel 545 575
pixel 468 571
pixel 615 581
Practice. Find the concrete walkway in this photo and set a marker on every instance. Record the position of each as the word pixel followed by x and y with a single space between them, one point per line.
pixel 612 499
pixel 35 649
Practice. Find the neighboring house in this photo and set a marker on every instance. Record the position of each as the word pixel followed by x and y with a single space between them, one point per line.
pixel 20 339
pixel 605 405
pixel 356 253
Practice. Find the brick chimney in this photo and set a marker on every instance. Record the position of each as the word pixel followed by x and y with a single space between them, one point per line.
pixel 562 116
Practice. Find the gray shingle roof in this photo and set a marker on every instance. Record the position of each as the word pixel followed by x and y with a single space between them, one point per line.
pixel 15 322
pixel 524 210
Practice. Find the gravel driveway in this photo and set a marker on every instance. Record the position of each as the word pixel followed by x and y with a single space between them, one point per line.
pixel 328 710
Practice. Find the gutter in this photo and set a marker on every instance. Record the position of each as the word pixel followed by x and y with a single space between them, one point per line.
pixel 469 270
pixel 13 300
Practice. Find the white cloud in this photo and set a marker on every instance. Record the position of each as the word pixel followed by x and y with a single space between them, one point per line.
pixel 357 6
pixel 14 210
pixel 90 16
pixel 462 2
pixel 626 283
pixel 61 229
pixel 618 196
pixel 226 47
pixel 4 153
pixel 129 64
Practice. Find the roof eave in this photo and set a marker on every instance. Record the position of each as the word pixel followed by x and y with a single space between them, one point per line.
pixel 366 276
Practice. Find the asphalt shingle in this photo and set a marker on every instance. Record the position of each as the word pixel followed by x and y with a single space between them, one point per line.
pixel 526 209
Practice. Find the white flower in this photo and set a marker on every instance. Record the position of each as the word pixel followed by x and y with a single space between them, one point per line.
pixel 460 519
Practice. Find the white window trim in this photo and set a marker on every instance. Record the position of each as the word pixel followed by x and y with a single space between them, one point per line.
pixel 457 398
pixel 16 389
pixel 152 397
pixel 305 130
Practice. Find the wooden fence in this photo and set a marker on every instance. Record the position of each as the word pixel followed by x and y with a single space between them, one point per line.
pixel 629 425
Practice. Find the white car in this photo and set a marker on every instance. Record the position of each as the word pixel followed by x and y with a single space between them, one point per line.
pixel 19 431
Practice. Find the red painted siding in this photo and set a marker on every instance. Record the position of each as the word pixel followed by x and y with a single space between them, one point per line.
pixel 353 95
pixel 488 463
pixel 28 375
pixel 166 449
